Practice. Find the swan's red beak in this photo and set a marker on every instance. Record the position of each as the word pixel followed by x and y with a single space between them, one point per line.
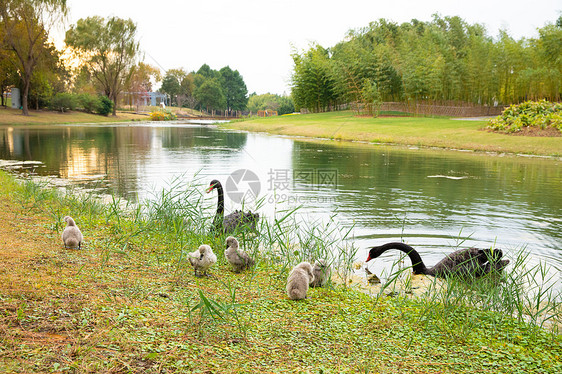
pixel 210 188
pixel 368 258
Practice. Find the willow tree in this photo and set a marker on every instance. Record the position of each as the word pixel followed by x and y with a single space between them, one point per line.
pixel 108 49
pixel 25 31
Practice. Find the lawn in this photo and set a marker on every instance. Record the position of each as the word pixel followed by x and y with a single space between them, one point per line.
pixel 129 302
pixel 9 116
pixel 418 131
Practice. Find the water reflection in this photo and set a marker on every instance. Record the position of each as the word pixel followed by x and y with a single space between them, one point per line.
pixel 432 199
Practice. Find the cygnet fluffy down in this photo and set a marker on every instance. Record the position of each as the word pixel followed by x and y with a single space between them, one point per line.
pixel 202 259
pixel 239 259
pixel 322 273
pixel 299 279
pixel 71 235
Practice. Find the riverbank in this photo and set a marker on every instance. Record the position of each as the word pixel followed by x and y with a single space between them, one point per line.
pixel 129 302
pixel 9 116
pixel 464 134
pixel 446 133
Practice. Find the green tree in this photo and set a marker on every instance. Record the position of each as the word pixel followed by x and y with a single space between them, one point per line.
pixel 25 30
pixel 312 84
pixel 445 59
pixel 210 95
pixel 188 91
pixel 208 73
pixel 171 86
pixel 268 101
pixel 8 75
pixel 549 47
pixel 234 89
pixel 109 50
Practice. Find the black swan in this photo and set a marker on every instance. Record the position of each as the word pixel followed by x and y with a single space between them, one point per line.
pixel 464 262
pixel 235 220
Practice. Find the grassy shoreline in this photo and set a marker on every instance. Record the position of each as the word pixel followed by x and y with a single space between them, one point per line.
pixel 417 131
pixel 128 302
pixel 9 116
pixel 444 133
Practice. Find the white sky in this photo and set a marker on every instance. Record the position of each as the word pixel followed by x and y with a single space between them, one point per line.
pixel 256 37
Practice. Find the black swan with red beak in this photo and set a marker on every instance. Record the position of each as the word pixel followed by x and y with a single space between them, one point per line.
pixel 235 221
pixel 469 262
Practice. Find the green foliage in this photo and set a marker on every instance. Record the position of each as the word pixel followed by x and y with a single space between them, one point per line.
pixel 171 86
pixel 445 59
pixel 541 114
pixel 63 102
pixel 24 27
pixel 281 104
pixel 152 313
pixel 89 103
pixel 106 106
pixel 234 89
pixel 314 87
pixel 109 48
pixel 211 95
pixel 210 89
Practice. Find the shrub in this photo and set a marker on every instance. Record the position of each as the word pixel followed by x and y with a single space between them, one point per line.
pixel 106 105
pixel 540 114
pixel 63 101
pixel 163 115
pixel 89 103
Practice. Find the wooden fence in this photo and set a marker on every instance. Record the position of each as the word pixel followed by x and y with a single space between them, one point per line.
pixel 443 109
pixel 449 108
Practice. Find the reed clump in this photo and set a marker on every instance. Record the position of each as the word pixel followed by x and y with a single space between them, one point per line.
pixel 129 300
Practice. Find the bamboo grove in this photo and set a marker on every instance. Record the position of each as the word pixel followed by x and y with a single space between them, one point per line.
pixel 444 60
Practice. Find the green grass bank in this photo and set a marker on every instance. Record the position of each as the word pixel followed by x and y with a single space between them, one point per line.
pixel 9 116
pixel 129 302
pixel 418 131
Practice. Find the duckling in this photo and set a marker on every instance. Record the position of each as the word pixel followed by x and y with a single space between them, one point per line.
pixel 322 273
pixel 202 259
pixel 299 279
pixel 71 236
pixel 239 259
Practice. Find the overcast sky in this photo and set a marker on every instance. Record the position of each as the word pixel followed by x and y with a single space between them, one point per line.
pixel 256 37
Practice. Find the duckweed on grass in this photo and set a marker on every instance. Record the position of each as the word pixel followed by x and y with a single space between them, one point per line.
pixel 128 302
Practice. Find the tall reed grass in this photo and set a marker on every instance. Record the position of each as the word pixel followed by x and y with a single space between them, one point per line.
pixel 177 219
pixel 523 292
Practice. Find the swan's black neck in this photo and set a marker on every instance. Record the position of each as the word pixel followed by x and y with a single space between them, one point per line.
pixel 417 264
pixel 219 216
pixel 220 205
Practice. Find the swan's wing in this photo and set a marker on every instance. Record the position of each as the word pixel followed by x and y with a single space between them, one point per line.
pixel 194 258
pixel 232 221
pixel 240 220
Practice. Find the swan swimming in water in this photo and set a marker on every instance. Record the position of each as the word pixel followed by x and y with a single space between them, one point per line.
pixel 464 262
pixel 235 220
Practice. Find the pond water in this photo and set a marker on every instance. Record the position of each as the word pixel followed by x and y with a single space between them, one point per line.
pixel 432 199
